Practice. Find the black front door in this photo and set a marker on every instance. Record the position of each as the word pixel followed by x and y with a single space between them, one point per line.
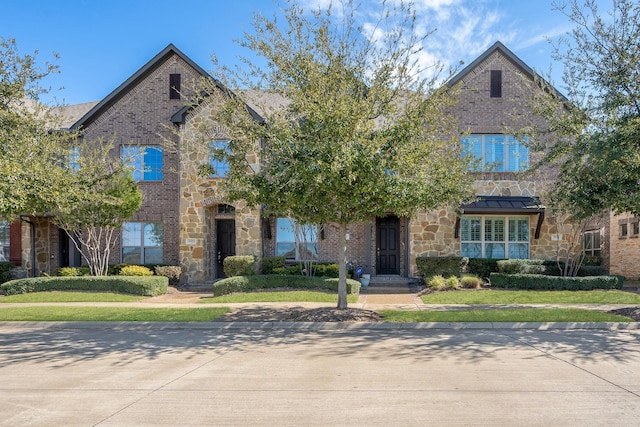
pixel 388 245
pixel 226 243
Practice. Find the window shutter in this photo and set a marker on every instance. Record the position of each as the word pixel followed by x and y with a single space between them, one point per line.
pixel 174 86
pixel 496 84
pixel 15 243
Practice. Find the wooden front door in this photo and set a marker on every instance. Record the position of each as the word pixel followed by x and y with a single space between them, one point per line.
pixel 225 243
pixel 388 245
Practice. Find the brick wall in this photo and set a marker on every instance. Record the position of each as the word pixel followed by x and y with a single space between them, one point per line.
pixel 141 116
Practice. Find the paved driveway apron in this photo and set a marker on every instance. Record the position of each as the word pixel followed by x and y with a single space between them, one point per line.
pixel 212 374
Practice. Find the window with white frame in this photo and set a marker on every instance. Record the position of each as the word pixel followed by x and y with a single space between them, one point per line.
pixel 141 243
pixel 296 241
pixel 219 165
pixel 73 161
pixel 591 243
pixel 4 241
pixel 146 161
pixel 494 236
pixel 496 153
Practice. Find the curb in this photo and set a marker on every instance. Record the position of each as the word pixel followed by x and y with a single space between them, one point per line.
pixel 325 326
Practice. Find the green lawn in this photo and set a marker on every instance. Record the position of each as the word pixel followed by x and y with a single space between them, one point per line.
pixel 531 297
pixel 504 315
pixel 279 296
pixel 111 314
pixel 69 296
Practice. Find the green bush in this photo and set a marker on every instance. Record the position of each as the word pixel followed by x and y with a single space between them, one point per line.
pixel 172 272
pixel 73 271
pixel 5 271
pixel 443 266
pixel 554 283
pixel 136 285
pixel 521 266
pixel 135 270
pixel 452 283
pixel 269 263
pixel 271 281
pixel 327 270
pixel 470 281
pixel 437 282
pixel 239 265
pixel 483 267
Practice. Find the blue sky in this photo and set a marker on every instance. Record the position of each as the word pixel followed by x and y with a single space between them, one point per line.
pixel 102 43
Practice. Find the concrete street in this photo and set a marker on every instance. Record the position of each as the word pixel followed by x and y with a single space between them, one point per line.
pixel 80 374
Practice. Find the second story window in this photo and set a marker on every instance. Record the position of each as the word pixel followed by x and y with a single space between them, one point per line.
pixel 146 161
pixel 496 153
pixel 217 161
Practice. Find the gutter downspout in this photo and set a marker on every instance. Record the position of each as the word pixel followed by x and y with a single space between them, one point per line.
pixel 32 228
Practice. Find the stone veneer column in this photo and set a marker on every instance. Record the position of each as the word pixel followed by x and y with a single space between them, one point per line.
pixel 199 196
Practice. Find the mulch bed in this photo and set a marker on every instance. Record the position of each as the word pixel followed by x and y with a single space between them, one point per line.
pixel 632 312
pixel 295 314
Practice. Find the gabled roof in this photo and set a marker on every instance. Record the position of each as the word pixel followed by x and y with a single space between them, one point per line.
pixel 135 79
pixel 499 47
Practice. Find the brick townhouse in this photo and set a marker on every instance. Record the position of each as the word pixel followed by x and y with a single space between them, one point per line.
pixel 187 220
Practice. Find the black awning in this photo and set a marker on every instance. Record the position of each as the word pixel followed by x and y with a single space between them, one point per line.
pixel 504 205
pixel 523 205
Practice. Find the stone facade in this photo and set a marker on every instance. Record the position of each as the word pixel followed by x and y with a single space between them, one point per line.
pixel 624 245
pixel 200 197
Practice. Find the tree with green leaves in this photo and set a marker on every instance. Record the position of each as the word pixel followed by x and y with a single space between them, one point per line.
pixel 352 127
pixel 99 195
pixel 29 150
pixel 45 171
pixel 594 141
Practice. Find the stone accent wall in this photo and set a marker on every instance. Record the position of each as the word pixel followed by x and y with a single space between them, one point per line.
pixel 199 198
pixel 624 257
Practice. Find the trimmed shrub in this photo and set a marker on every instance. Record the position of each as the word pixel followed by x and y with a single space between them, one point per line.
pixel 135 270
pixel 437 282
pixel 136 285
pixel 252 283
pixel 469 281
pixel 483 267
pixel 554 283
pixel 443 266
pixel 269 263
pixel 521 266
pixel 172 272
pixel 239 265
pixel 5 271
pixel 327 270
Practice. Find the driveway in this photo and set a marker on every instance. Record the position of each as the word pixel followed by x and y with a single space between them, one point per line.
pixel 206 374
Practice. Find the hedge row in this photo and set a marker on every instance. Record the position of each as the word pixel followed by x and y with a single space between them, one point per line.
pixel 554 283
pixel 441 266
pixel 251 283
pixel 135 285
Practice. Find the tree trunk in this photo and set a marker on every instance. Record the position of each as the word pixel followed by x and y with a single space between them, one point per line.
pixel 342 264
